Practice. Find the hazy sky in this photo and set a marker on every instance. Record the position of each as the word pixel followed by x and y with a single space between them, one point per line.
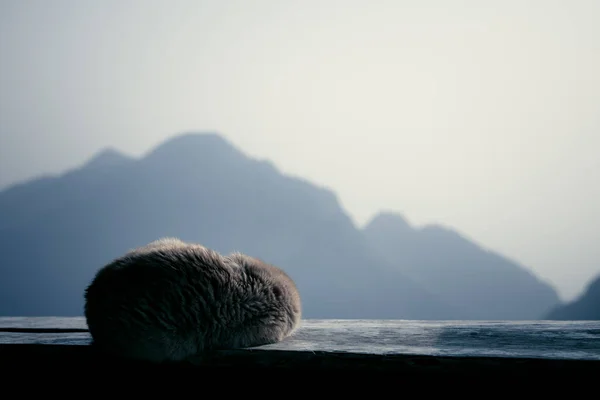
pixel 480 115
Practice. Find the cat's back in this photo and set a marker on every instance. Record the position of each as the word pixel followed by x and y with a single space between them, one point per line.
pixel 160 283
pixel 167 260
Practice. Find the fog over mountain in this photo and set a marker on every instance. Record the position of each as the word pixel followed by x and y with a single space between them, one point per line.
pixel 55 232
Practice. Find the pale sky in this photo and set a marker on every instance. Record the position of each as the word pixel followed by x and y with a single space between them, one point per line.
pixel 483 116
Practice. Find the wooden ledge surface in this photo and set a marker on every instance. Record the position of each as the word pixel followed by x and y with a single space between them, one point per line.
pixel 467 348
pixel 578 340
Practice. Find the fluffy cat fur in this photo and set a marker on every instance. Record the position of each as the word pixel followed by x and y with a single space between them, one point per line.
pixel 169 300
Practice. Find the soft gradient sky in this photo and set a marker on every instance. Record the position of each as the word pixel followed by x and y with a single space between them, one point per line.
pixel 480 115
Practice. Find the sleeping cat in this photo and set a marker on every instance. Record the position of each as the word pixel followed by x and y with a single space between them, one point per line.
pixel 169 300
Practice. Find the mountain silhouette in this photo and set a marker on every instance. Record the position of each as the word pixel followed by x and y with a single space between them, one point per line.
pixel 479 283
pixel 107 158
pixel 585 307
pixel 56 232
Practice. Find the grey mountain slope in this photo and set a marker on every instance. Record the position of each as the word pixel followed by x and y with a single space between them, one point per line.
pixel 586 307
pixel 481 283
pixel 56 232
pixel 26 201
pixel 202 189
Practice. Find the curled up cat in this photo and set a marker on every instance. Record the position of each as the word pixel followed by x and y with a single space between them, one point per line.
pixel 170 300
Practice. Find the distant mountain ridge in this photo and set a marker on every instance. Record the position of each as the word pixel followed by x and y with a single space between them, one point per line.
pixel 480 283
pixel 55 232
pixel 585 307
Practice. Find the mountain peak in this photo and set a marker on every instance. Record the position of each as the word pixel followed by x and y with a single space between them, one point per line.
pixel 107 157
pixel 389 220
pixel 185 145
